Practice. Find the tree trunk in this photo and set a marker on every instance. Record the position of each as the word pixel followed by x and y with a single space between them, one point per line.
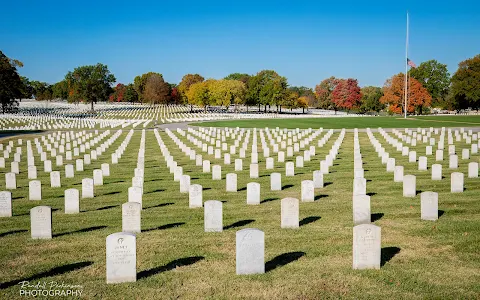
pixel 304 110
pixel 191 108
pixel 92 105
pixel 258 107
pixel 265 108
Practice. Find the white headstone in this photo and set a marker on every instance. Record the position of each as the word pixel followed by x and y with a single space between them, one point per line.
pixel 131 221
pixel 195 196
pixel 436 172
pixel 135 194
pixel 217 172
pixel 231 182
pixel 290 212
pixel 5 204
pixel 317 179
pixel 253 170
pixel 69 172
pixel 121 249
pixel 87 188
pixel 473 170
pixel 97 177
pixel 308 192
pixel 213 216
pixel 35 190
pixel 456 181
pixel 55 179
pixel 366 246
pixel 361 209
pixel 409 186
pixel 250 251
pixel 429 206
pixel 41 222
pixel 72 201
pixel 276 181
pixel 289 169
pixel 253 193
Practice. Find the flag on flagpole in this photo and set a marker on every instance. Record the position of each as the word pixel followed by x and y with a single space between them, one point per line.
pixel 411 63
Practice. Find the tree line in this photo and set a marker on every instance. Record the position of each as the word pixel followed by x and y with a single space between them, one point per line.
pixel 429 86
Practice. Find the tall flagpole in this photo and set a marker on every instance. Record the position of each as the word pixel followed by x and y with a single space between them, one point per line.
pixel 406 72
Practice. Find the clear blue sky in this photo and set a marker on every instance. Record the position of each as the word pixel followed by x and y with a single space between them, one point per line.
pixel 301 40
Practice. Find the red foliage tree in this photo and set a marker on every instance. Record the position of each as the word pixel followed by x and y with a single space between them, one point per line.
pixel 347 94
pixel 118 93
pixel 175 96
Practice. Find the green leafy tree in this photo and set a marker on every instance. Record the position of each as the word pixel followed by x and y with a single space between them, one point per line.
pixel 90 83
pixel 60 90
pixel 435 78
pixel 41 90
pixel 139 83
pixel 238 76
pixel 130 94
pixel 266 88
pixel 27 92
pixel 371 99
pixel 11 85
pixel 465 88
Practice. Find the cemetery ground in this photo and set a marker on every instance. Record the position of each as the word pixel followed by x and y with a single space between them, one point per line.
pixel 352 122
pixel 177 259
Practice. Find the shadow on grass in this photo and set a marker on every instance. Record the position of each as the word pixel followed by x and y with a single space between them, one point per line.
pixel 206 189
pixel 269 199
pixel 371 194
pixel 308 220
pixel 325 184
pixel 166 226
pixel 242 189
pixel 154 191
pixel 418 192
pixel 159 205
pixel 88 229
pixel 52 272
pixel 170 266
pixel 377 216
pixel 441 213
pixel 111 193
pixel 287 186
pixel 318 197
pixel 107 207
pixel 282 259
pixel 387 254
pixel 238 224
pixel 12 232
pixel 118 181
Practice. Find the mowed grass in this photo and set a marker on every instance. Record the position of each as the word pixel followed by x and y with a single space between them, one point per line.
pixel 177 259
pixel 352 122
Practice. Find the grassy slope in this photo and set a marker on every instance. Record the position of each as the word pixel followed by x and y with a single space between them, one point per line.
pixel 353 122
pixel 435 259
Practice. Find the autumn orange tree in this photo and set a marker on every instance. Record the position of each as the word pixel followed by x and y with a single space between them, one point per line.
pixel 393 95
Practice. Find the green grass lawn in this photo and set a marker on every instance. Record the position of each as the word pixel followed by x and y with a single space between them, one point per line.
pixel 352 122
pixel 177 259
